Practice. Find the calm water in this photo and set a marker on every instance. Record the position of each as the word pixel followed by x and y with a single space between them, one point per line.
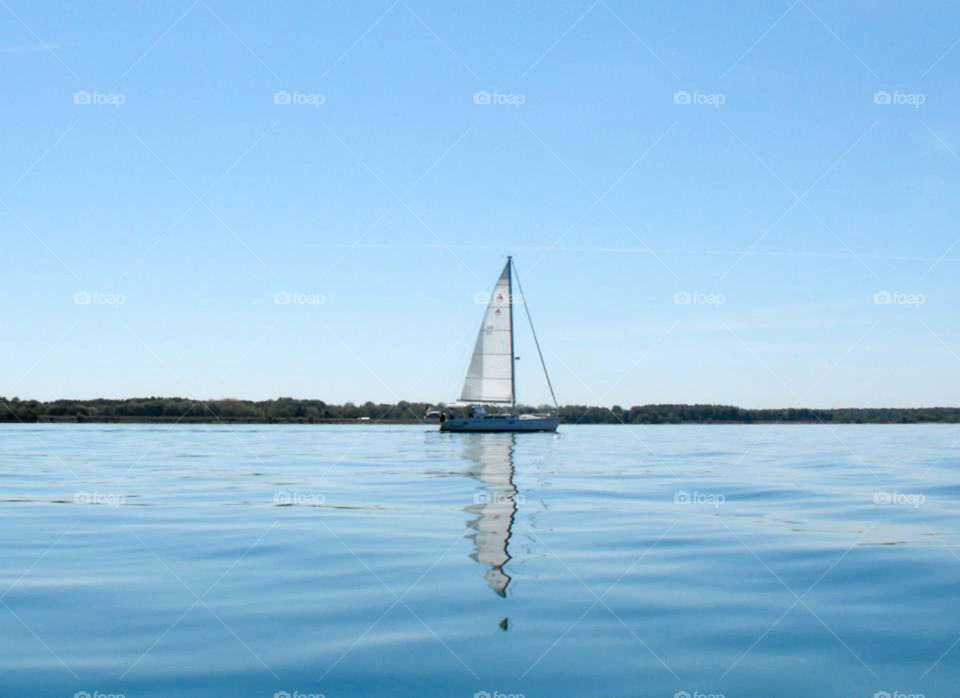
pixel 396 561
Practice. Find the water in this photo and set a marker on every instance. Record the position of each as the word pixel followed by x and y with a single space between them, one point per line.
pixel 396 561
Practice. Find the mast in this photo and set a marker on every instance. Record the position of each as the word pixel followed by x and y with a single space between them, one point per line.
pixel 513 358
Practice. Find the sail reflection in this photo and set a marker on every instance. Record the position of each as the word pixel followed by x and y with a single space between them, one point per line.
pixel 495 503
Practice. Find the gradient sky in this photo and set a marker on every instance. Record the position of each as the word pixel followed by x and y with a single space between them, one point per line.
pixel 794 201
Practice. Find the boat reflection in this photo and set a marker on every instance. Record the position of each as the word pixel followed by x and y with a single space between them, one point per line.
pixel 495 503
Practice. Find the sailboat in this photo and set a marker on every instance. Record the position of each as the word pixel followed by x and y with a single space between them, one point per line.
pixel 491 376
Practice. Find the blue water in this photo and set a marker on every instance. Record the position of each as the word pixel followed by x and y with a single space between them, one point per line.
pixel 397 561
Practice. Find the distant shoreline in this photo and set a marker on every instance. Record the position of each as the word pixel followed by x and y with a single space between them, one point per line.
pixel 427 422
pixel 175 410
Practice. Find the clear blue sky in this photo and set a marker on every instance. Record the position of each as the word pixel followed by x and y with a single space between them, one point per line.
pixel 794 201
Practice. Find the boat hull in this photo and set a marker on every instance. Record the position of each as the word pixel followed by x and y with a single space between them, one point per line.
pixel 505 423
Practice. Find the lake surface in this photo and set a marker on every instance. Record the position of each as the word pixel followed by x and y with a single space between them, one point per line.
pixel 371 560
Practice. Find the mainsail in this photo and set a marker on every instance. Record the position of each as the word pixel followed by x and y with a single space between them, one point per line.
pixel 490 375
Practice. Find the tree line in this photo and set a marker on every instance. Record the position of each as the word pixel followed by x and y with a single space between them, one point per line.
pixel 291 410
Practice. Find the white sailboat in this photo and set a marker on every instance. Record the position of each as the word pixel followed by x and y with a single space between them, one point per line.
pixel 491 376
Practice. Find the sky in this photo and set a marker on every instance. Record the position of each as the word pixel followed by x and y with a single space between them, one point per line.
pixel 748 203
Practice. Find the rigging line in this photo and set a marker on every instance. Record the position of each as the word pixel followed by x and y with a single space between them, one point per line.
pixel 536 341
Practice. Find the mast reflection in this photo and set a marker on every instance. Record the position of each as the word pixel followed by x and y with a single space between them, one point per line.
pixel 495 503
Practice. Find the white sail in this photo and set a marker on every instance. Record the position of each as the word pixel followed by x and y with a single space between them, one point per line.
pixel 490 375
